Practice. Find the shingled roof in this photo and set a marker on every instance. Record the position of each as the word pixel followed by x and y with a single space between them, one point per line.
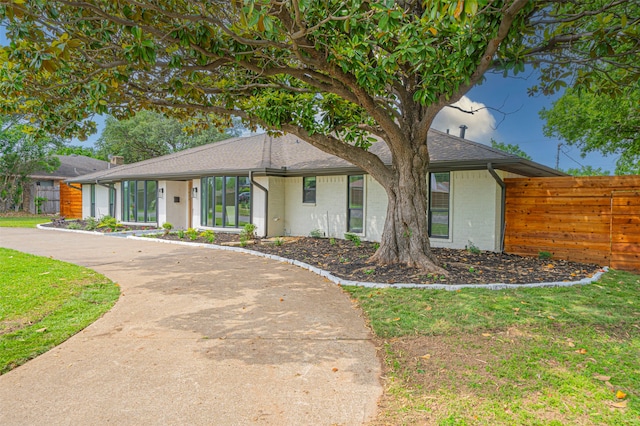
pixel 72 166
pixel 289 155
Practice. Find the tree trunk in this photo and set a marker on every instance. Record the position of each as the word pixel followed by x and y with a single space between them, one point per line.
pixel 405 238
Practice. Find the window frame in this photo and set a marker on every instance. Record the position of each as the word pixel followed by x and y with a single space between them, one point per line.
pixel 212 196
pixel 350 209
pixel 309 191
pixel 92 200
pixel 130 200
pixel 432 209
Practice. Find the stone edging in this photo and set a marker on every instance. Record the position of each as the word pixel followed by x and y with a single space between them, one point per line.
pixel 341 281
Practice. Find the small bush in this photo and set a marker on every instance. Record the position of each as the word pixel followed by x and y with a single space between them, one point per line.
pixel 316 233
pixel 376 246
pixel 208 235
pixel 545 255
pixel 167 227
pixel 91 223
pixel 74 225
pixel 278 242
pixel 110 222
pixel 180 234
pixel 332 241
pixel 248 233
pixel 472 248
pixel 355 239
pixel 192 233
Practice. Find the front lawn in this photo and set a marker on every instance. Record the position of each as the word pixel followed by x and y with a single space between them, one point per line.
pixel 43 302
pixel 23 221
pixel 547 356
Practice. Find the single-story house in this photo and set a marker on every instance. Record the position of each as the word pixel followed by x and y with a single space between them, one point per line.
pixel 48 193
pixel 285 186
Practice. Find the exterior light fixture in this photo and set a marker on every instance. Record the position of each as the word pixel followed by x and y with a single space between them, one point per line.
pixel 160 192
pixel 194 192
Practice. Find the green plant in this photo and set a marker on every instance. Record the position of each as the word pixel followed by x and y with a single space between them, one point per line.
pixel 472 270
pixel 316 233
pixel 74 225
pixel 110 222
pixel 192 233
pixel 91 223
pixel 370 271
pixel 544 255
pixel 354 238
pixel 472 248
pixel 278 241
pixel 181 234
pixel 39 201
pixel 332 241
pixel 208 235
pixel 376 246
pixel 248 232
pixel 167 227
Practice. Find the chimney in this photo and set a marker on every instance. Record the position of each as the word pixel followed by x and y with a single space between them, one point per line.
pixel 463 129
pixel 117 160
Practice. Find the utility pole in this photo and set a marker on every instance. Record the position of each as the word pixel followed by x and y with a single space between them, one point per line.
pixel 558 157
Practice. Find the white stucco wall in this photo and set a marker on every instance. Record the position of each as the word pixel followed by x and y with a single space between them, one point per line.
pixel 474 209
pixel 102 201
pixel 170 210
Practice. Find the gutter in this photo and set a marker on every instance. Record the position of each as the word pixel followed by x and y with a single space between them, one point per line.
pixel 74 187
pixel 266 203
pixel 503 201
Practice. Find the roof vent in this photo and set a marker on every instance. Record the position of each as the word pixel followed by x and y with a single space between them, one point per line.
pixel 463 129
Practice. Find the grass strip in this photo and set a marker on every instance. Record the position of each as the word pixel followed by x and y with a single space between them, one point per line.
pixel 531 356
pixel 43 302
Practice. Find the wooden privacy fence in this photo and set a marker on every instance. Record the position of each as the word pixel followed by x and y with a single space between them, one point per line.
pixel 70 201
pixel 584 219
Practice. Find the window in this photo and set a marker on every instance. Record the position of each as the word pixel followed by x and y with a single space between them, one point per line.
pixel 355 211
pixel 439 190
pixel 309 189
pixel 93 200
pixel 226 201
pixel 112 201
pixel 139 200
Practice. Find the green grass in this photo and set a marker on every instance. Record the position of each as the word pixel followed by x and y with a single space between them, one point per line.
pixel 510 357
pixel 23 221
pixel 43 302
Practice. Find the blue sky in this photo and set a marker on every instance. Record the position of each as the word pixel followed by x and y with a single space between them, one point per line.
pixel 521 125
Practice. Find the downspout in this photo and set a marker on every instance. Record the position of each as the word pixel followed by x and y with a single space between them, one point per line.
pixel 503 199
pixel 266 203
pixel 115 196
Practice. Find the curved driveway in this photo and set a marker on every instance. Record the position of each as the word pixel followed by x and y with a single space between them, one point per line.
pixel 199 336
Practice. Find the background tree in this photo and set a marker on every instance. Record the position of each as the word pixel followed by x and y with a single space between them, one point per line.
pixel 510 148
pixel 599 122
pixel 80 150
pixel 335 73
pixel 149 134
pixel 21 154
pixel 587 171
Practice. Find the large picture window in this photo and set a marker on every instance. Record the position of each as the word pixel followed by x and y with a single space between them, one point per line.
pixel 139 200
pixel 309 189
pixel 439 191
pixel 92 213
pixel 355 211
pixel 226 201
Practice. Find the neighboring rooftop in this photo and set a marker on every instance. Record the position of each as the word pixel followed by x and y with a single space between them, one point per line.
pixel 72 166
pixel 289 155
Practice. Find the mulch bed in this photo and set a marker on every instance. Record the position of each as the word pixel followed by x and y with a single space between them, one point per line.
pixel 349 261
pixel 346 260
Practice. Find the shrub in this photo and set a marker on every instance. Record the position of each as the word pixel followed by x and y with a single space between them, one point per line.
pixel 180 233
pixel 544 255
pixel 316 233
pixel 74 225
pixel 91 223
pixel 167 227
pixel 355 239
pixel 208 235
pixel 192 233
pixel 110 222
pixel 248 232
pixel 472 248
pixel 278 242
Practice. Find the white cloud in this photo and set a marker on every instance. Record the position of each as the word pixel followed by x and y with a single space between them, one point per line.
pixel 480 124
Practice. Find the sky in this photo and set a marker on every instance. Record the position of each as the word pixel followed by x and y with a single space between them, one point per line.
pixel 509 116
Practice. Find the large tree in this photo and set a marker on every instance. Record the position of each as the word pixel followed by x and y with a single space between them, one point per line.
pixel 598 122
pixel 149 134
pixel 22 152
pixel 334 72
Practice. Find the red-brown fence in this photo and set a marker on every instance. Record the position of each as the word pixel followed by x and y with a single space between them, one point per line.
pixel 584 219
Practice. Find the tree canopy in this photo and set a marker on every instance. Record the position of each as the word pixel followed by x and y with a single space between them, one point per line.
pixel 149 134
pixel 510 148
pixel 21 154
pixel 599 123
pixel 335 73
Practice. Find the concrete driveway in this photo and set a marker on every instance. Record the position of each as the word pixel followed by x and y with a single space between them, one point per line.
pixel 199 336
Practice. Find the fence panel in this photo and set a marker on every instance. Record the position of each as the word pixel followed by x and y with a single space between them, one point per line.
pixel 51 194
pixel 573 219
pixel 70 202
